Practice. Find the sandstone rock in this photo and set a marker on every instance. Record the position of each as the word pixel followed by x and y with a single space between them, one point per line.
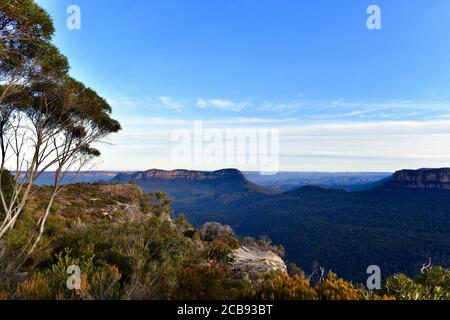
pixel 180 174
pixel 253 263
pixel 420 179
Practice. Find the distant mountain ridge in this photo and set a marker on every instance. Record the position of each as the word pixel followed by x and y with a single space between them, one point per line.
pixel 181 174
pixel 419 179
pixel 48 177
pixel 197 190
pixel 350 181
pixel 181 183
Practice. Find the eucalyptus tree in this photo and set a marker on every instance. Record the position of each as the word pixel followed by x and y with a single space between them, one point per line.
pixel 47 119
pixel 30 118
pixel 25 32
pixel 82 119
pixel 54 124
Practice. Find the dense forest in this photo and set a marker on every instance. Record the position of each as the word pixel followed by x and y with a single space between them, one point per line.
pixel 347 231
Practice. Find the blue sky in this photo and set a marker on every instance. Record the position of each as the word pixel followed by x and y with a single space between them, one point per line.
pixel 344 98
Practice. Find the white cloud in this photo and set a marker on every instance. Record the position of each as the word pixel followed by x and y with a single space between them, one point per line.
pixel 269 106
pixel 336 103
pixel 122 102
pixel 171 103
pixel 228 105
pixel 261 120
pixel 395 104
pixel 125 103
pixel 377 128
pixel 148 121
pixel 136 121
pixel 376 146
pixel 351 146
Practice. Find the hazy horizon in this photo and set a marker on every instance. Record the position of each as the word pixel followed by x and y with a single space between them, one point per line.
pixel 342 97
pixel 244 171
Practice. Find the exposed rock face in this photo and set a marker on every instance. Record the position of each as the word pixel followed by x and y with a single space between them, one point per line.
pixel 180 174
pixel 253 263
pixel 420 179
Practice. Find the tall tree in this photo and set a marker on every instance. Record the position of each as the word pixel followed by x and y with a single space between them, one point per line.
pixel 83 119
pixel 29 118
pixel 25 32
pixel 47 119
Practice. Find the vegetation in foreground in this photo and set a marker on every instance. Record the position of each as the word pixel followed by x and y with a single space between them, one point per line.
pixel 128 247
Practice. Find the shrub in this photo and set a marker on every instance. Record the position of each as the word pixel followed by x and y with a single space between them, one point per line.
pixel 334 288
pixel 105 283
pixel 4 295
pixel 202 282
pixel 34 289
pixel 212 231
pixel 432 284
pixel 280 286
pixel 220 252
pixel 294 270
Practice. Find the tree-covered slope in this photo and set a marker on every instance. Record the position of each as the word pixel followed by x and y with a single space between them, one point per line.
pixel 347 232
pixel 198 190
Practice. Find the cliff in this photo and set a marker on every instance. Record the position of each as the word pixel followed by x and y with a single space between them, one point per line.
pixel 419 179
pixel 179 174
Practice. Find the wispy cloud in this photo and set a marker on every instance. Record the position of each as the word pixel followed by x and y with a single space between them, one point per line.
pixel 346 146
pixel 261 120
pixel 308 110
pixel 122 102
pixel 386 110
pixel 375 129
pixel 290 107
pixel 395 104
pixel 171 103
pixel 148 121
pixel 229 105
pixel 158 121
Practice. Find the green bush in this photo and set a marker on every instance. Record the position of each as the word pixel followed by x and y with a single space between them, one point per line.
pixel 432 284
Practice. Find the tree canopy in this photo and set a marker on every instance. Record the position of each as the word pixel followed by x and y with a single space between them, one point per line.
pixel 48 120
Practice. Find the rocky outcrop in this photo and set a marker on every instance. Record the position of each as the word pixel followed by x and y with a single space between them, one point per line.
pixel 420 179
pixel 87 203
pixel 253 263
pixel 126 203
